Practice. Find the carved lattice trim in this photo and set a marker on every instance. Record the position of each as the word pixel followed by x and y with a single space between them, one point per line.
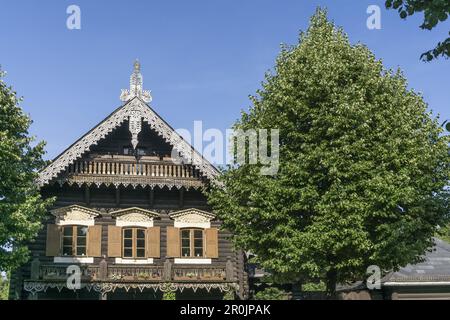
pixel 192 211
pixel 134 210
pixel 63 211
pixel 133 107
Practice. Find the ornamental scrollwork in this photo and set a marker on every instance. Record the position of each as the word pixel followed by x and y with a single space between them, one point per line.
pixel 135 105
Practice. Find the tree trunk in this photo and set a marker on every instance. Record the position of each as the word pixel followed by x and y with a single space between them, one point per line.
pixel 331 281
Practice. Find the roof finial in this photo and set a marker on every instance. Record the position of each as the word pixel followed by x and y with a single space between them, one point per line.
pixel 137 65
pixel 136 86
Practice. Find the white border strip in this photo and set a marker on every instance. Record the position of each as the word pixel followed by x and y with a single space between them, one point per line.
pixel 86 223
pixel 417 283
pixel 134 261
pixel 191 261
pixel 73 260
pixel 202 225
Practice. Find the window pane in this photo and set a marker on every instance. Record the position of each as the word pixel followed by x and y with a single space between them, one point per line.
pixel 198 234
pixel 140 234
pixel 128 233
pixel 198 252
pixel 185 252
pixel 81 241
pixel 82 231
pixel 127 243
pixel 140 243
pixel 140 253
pixel 67 231
pixel 185 234
pixel 141 151
pixel 185 242
pixel 67 251
pixel 198 243
pixel 128 253
pixel 81 251
pixel 67 241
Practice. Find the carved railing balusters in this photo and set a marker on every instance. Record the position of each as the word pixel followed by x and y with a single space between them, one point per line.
pixel 199 274
pixel 127 273
pixel 128 172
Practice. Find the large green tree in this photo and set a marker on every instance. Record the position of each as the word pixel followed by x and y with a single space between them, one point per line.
pixel 21 206
pixel 363 166
pixel 434 12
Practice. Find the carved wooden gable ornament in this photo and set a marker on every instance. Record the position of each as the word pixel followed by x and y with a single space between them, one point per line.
pixel 135 110
pixel 75 214
pixel 134 216
pixel 192 218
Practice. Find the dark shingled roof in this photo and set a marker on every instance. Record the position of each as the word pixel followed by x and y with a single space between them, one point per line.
pixel 435 267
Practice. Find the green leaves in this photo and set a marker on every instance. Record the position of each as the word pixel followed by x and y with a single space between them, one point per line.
pixel 271 293
pixel 442 49
pixel 4 286
pixel 363 166
pixel 21 205
pixel 434 12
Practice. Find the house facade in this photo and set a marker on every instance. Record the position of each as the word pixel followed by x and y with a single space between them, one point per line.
pixel 130 220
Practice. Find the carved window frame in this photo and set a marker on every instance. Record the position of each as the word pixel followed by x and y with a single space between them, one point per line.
pixel 74 215
pixel 74 241
pixel 192 246
pixel 143 219
pixel 181 220
pixel 134 239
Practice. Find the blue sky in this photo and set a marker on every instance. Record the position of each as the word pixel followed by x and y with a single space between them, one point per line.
pixel 200 58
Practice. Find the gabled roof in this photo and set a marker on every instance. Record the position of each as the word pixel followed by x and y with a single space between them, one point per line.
pixel 135 108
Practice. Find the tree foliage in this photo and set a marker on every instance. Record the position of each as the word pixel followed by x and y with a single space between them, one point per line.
pixel 21 206
pixel 434 12
pixel 4 286
pixel 169 296
pixel 229 295
pixel 271 293
pixel 363 166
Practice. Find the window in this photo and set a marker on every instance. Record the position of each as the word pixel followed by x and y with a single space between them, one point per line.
pixel 133 243
pixel 129 151
pixel 74 240
pixel 191 243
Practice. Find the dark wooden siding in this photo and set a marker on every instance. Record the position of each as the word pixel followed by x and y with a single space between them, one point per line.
pixel 105 200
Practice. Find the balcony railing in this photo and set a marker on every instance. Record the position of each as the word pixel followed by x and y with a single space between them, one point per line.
pixel 129 168
pixel 117 273
pixel 123 273
pixel 199 274
pixel 59 272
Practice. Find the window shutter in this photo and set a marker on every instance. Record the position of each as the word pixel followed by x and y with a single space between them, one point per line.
pixel 153 243
pixel 114 241
pixel 94 241
pixel 212 243
pixel 173 242
pixel 53 244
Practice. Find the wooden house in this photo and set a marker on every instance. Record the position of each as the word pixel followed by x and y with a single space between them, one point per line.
pixel 130 220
